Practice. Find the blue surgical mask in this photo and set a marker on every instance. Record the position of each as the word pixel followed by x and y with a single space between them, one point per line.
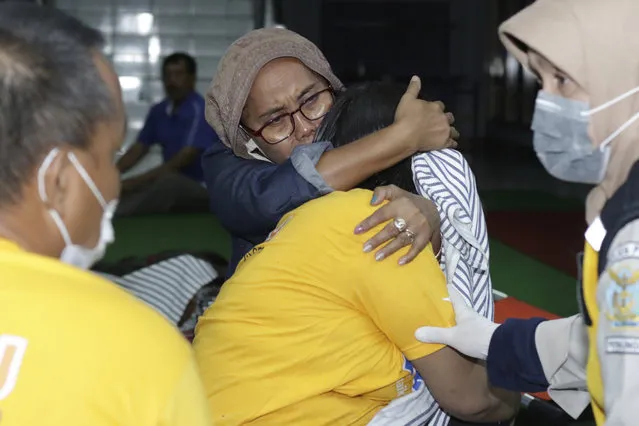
pixel 561 140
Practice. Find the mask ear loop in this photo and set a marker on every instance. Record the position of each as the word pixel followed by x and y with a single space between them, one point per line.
pixel 42 191
pixel 107 208
pixel 621 128
pixel 46 163
pixel 87 179
pixel 616 133
pixel 611 102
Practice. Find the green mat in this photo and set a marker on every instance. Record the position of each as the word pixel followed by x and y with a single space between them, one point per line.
pixel 521 276
pixel 147 235
pixel 527 201
pixel 531 281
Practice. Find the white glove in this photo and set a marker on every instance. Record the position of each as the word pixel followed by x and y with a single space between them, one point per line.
pixel 471 336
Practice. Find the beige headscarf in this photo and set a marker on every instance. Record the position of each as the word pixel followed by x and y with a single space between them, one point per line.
pixel 237 70
pixel 596 42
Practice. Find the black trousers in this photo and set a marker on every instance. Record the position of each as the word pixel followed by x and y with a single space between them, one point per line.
pixel 173 193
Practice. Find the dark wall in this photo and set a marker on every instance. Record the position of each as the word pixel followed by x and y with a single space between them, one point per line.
pixel 366 39
pixel 301 16
pixel 372 40
pixel 449 43
pixel 439 40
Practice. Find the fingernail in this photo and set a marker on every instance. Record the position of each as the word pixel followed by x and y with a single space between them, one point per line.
pixel 374 199
pixel 379 256
pixel 413 78
pixel 359 229
pixel 368 248
pixel 402 261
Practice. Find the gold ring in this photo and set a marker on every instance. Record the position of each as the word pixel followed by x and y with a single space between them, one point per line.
pixel 411 235
pixel 399 224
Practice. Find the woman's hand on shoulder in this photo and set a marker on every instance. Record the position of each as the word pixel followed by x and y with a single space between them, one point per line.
pixel 412 221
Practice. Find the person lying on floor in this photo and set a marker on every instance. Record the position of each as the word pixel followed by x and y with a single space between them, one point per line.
pixel 311 330
pixel 179 286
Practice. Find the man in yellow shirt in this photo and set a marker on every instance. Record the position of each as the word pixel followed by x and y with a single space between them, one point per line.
pixel 310 330
pixel 74 349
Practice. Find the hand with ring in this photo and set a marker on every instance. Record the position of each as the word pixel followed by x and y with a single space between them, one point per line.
pixel 412 221
pixel 410 235
pixel 400 225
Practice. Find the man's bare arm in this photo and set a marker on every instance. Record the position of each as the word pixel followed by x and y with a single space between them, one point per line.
pixel 132 156
pixel 460 387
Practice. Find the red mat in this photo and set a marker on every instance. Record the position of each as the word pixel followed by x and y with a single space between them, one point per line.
pixel 513 308
pixel 553 238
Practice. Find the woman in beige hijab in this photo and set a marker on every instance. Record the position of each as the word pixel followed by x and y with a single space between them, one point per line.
pixel 271 92
pixel 585 126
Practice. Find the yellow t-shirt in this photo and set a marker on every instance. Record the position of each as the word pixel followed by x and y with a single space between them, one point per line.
pixel 75 350
pixel 311 330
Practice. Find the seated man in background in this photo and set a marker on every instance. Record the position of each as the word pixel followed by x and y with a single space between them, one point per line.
pixel 311 330
pixel 75 350
pixel 178 125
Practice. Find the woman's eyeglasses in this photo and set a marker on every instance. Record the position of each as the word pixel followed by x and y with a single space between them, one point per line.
pixel 281 127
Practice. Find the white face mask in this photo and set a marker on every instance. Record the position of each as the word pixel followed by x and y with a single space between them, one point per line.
pixel 74 254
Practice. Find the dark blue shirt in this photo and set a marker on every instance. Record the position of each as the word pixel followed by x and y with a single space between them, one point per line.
pixel 177 128
pixel 249 197
pixel 513 361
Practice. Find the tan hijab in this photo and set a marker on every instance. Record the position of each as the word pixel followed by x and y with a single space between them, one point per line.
pixel 237 70
pixel 596 42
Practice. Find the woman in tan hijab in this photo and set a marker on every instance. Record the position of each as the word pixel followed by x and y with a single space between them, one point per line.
pixel 585 54
pixel 271 92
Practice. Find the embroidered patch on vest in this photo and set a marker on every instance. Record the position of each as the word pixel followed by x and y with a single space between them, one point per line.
pixel 620 290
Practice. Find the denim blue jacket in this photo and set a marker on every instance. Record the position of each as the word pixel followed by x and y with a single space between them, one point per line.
pixel 249 197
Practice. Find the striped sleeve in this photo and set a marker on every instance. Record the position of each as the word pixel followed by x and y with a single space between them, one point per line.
pixel 168 286
pixel 445 178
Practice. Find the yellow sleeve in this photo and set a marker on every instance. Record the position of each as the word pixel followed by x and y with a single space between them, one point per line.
pixel 401 299
pixel 188 404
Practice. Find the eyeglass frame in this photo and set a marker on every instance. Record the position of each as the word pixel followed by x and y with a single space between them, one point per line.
pixel 258 132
